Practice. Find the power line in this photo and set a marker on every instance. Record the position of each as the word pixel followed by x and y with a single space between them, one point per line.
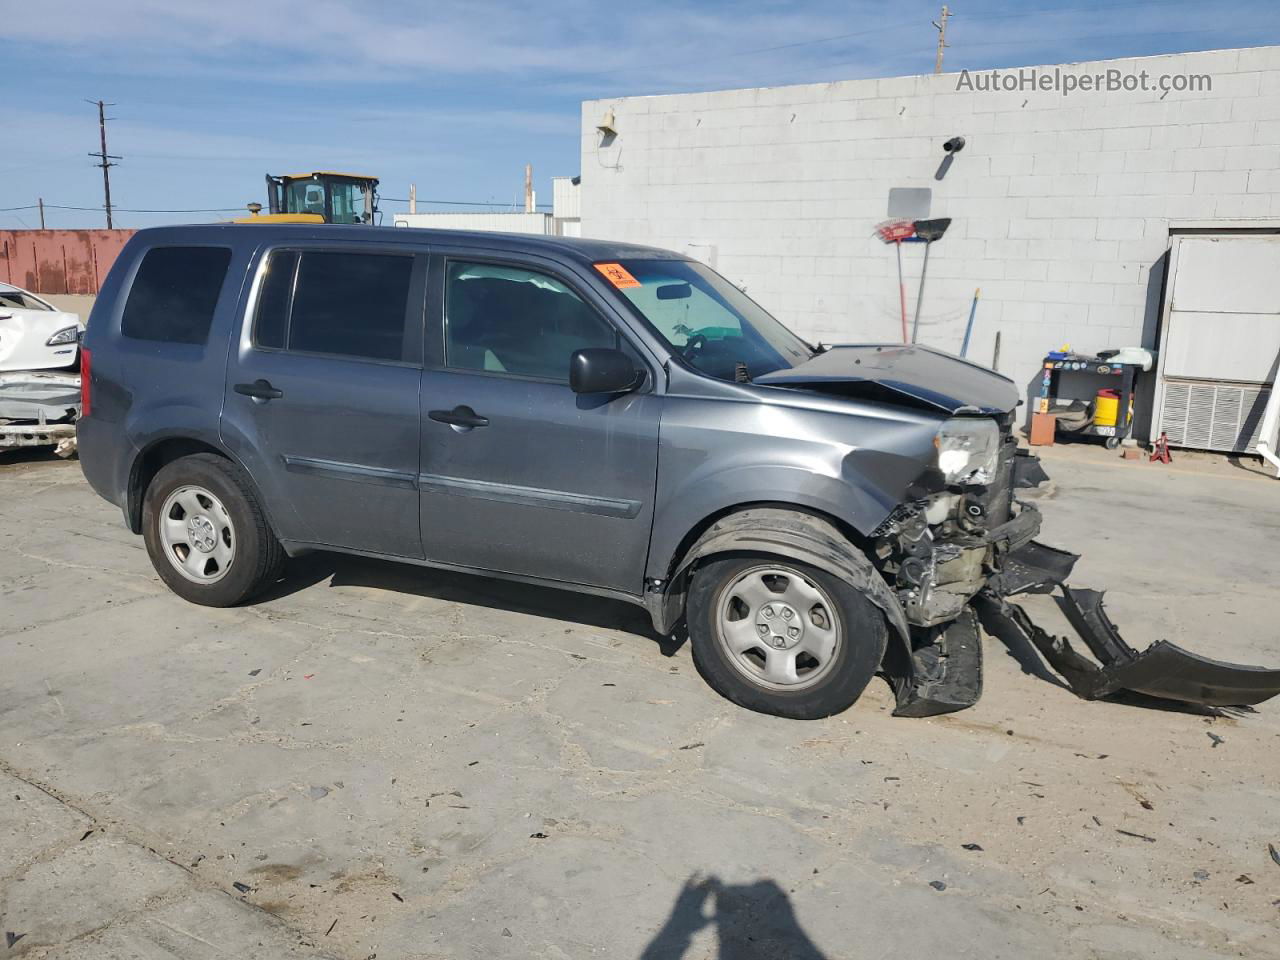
pixel 63 206
pixel 239 209
pixel 456 203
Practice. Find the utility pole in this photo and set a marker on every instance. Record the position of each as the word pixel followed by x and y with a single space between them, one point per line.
pixel 104 158
pixel 40 204
pixel 528 188
pixel 941 26
pixel 413 198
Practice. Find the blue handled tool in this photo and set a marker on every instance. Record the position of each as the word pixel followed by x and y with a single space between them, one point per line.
pixel 964 347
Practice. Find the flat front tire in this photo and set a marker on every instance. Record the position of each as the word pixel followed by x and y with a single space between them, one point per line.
pixel 206 532
pixel 783 637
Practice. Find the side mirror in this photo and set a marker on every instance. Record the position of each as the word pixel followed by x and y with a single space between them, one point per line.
pixel 602 370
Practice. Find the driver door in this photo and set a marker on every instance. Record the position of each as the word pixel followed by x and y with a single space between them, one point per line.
pixel 520 475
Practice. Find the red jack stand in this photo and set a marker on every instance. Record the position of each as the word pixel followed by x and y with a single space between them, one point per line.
pixel 1161 450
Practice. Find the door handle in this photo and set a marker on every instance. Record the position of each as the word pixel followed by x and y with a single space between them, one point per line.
pixel 460 416
pixel 260 390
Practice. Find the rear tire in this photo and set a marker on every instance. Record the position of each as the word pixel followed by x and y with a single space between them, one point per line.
pixel 781 637
pixel 206 532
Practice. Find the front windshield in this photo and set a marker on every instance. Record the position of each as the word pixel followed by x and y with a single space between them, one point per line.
pixel 305 196
pixel 705 318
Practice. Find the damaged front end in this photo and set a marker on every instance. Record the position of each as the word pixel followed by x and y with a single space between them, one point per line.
pixel 965 550
pixel 39 408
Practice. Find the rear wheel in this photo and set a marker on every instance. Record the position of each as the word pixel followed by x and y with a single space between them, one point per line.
pixel 783 637
pixel 206 533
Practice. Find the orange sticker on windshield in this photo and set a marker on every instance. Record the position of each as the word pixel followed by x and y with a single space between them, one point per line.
pixel 617 274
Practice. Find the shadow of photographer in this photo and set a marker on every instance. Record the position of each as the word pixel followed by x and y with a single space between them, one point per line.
pixel 753 921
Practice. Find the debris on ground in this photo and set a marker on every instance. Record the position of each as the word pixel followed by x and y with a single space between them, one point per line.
pixel 693 746
pixel 506 932
pixel 1275 855
pixel 254 673
pixel 1215 738
pixel 242 887
pixel 331 926
pixel 317 793
pixel 397 896
pixel 10 938
pixel 937 885
pixel 974 846
pixel 1200 874
pixel 538 836
pixel 1140 836
pixel 1244 878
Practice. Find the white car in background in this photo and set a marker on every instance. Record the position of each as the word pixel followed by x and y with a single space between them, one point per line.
pixel 39 372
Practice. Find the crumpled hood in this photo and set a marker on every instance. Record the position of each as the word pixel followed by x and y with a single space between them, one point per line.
pixel 23 337
pixel 920 374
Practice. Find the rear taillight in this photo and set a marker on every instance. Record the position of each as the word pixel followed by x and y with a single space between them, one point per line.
pixel 85 378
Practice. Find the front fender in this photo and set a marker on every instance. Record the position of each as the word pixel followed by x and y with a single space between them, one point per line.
pixel 855 462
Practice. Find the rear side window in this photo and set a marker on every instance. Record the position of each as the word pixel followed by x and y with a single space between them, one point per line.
pixel 175 293
pixel 347 304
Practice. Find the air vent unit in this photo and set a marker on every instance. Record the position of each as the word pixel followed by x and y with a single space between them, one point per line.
pixel 1213 415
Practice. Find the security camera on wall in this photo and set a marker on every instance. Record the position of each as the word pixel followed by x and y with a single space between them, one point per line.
pixel 954 145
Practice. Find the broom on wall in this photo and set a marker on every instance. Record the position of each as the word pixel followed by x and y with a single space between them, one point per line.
pixel 895 231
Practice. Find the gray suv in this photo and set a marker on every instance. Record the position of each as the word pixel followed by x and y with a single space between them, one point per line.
pixel 594 416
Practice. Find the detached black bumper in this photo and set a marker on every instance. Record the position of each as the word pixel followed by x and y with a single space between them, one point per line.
pixel 1163 670
pixel 947 668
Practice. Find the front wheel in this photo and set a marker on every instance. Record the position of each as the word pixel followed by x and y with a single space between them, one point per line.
pixel 206 532
pixel 783 637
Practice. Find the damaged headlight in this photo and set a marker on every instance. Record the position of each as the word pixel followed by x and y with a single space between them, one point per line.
pixel 65 335
pixel 968 449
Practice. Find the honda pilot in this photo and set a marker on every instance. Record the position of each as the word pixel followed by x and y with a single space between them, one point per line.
pixel 593 416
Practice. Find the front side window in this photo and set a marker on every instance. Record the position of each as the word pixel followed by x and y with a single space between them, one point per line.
pixel 706 319
pixel 504 319
pixel 174 294
pixel 348 202
pixel 347 304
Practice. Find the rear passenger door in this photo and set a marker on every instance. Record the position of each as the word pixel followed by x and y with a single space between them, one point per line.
pixel 322 393
pixel 520 475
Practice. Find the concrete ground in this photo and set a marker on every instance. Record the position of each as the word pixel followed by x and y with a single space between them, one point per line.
pixel 385 761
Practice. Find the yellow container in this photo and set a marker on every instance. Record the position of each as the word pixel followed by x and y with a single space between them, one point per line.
pixel 1106 410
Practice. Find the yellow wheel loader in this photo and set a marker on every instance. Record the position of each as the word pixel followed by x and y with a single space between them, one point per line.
pixel 319 197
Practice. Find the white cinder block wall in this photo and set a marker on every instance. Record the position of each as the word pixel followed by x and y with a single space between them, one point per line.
pixel 1061 205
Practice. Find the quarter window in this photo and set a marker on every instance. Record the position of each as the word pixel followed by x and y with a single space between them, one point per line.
pixel 174 294
pixel 504 319
pixel 348 304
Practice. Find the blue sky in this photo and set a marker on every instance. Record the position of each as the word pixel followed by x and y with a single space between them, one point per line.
pixel 457 95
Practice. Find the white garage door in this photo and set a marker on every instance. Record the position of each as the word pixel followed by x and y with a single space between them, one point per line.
pixel 1221 343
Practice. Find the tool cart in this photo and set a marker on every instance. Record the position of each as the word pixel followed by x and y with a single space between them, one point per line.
pixel 1110 415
